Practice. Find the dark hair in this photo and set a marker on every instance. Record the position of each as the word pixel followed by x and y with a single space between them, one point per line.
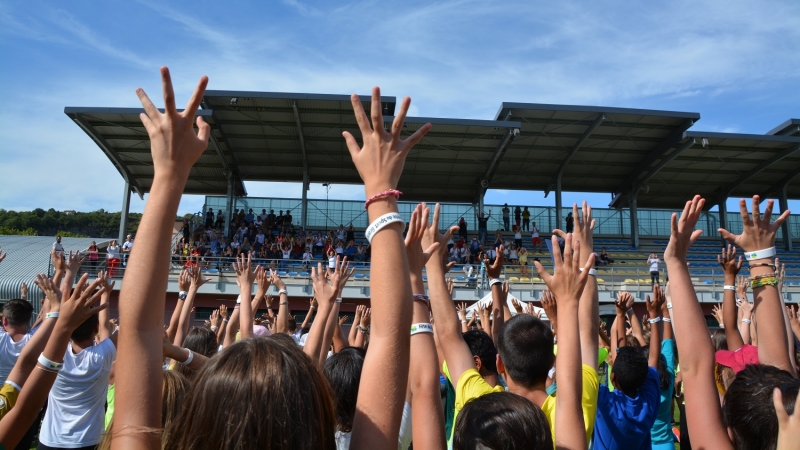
pixel 202 341
pixel 287 400
pixel 502 420
pixel 343 371
pixel 748 410
pixel 480 344
pixel 18 312
pixel 719 340
pixel 87 329
pixel 526 345
pixel 663 371
pixel 630 369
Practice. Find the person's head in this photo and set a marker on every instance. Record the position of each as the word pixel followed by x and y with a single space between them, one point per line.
pixel 630 370
pixel 748 409
pixel 343 371
pixel 501 420
pixel 483 351
pixel 272 211
pixel 480 215
pixel 250 210
pixel 719 340
pixel 569 214
pixel 534 223
pixel 505 204
pixel 17 313
pixel 87 330
pixel 58 239
pixel 128 237
pixel 273 368
pixel 525 350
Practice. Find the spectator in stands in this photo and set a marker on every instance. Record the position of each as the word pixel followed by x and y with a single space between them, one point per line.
pixel 287 219
pixel 250 217
pixel 523 261
pixel 360 252
pixel 350 251
pixel 513 258
pixel 517 236
pixel 220 223
pixel 112 258
pixel 341 233
pixel 209 218
pixel 506 217
pixel 517 216
pixel 570 223
pixel 604 257
pixel 258 223
pixel 57 245
pixel 127 246
pixel 279 220
pixel 271 220
pixel 483 223
pixel 93 257
pixel 526 219
pixel 653 260
pixel 536 240
pixel 351 233
pixel 462 229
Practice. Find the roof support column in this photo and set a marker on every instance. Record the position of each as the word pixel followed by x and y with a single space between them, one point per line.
pixel 723 216
pixel 634 210
pixel 558 201
pixel 787 234
pixel 304 202
pixel 123 217
pixel 229 205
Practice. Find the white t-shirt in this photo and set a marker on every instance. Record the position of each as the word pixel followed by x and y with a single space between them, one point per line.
pixel 112 252
pixel 9 353
pixel 75 414
pixel 332 262
pixel 403 439
pixel 306 256
pixel 518 234
pixel 535 233
pixel 58 246
pixel 286 253
pixel 127 245
pixel 653 264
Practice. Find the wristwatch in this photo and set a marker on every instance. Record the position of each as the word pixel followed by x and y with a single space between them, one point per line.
pixel 182 295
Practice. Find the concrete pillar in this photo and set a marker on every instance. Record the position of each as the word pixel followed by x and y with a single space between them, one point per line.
pixel 123 217
pixel 634 221
pixel 229 205
pixel 787 235
pixel 559 224
pixel 304 203
pixel 723 216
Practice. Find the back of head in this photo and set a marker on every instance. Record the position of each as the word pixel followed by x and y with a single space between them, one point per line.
pixel 749 411
pixel 480 344
pixel 87 330
pixel 501 420
pixel 343 371
pixel 173 394
pixel 18 312
pixel 202 341
pixel 258 393
pixel 525 344
pixel 630 369
pixel 719 340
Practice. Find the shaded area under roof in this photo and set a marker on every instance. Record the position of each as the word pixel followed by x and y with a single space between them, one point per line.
pixel 266 136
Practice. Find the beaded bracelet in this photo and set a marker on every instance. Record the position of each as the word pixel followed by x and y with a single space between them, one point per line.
pixel 763 265
pixel 766 275
pixel 422 298
pixel 383 194
pixel 761 282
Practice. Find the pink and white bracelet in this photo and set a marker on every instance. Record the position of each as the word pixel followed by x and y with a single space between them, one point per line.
pixel 383 194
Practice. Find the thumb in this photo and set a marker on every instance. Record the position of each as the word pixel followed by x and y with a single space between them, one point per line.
pixel 727 235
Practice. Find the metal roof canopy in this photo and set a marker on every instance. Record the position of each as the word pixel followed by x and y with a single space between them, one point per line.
pixel 585 148
pixel 789 128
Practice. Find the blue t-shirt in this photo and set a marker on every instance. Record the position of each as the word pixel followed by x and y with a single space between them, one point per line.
pixel 662 429
pixel 625 422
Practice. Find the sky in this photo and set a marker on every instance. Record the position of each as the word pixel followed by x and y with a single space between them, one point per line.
pixel 737 63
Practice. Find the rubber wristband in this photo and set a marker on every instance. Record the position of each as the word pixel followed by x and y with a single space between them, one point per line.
pixel 747 321
pixel 728 287
pixel 669 305
pixel 655 320
pixel 225 320
pixel 182 295
pixel 214 328
pixel 188 360
pixel 338 300
pixel 239 300
pixel 422 298
pixel 494 281
pixel 592 272
pixel 51 315
pixel 667 319
pixel 421 328
pixel 283 292
pixel 50 365
pixel 760 254
pixel 463 321
pixel 312 307
pixel 380 223
pixel 283 303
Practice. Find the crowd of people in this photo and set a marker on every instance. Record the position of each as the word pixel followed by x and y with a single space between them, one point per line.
pixel 245 382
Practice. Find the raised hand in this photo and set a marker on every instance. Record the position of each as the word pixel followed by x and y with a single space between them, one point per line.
pixel 583 230
pixel 742 284
pixel 450 286
pixel 757 231
pixel 417 258
pixel 342 275
pixel 730 264
pixel 380 161
pixel 263 279
pixel 184 280
pixel 75 310
pixel 461 308
pixel 24 290
pixel 74 261
pixel 746 307
pixel 323 292
pixel 548 301
pixel 494 270
pixel 276 280
pixel 716 311
pixel 244 270
pixel 624 302
pixel 173 143
pixel 654 306
pixel 58 260
pixel 50 290
pixel 366 317
pixel 342 320
pixel 517 306
pixel 312 304
pixel 683 233
pixel 215 320
pixel 568 281
pixel 223 311
pixel 106 283
pixel 432 235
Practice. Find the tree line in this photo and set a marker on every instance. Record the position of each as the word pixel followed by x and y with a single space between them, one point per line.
pixel 100 223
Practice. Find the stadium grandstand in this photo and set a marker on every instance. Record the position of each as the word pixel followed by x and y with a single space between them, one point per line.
pixel 649 161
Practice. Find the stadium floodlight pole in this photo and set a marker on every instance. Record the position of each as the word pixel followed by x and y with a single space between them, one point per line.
pixel 634 219
pixel 123 217
pixel 723 215
pixel 229 203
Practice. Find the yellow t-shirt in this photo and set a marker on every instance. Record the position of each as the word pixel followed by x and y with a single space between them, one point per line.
pixel 590 386
pixel 470 386
pixel 8 397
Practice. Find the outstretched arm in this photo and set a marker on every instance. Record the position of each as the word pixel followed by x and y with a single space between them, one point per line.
pixel 499 292
pixel 175 146
pixel 183 285
pixel 653 308
pixel 589 307
pixel 691 333
pixel 731 267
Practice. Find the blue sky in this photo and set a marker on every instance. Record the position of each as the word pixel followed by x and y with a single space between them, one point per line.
pixel 736 63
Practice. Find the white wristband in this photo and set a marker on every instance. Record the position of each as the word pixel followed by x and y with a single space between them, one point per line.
pixel 667 319
pixel 283 292
pixel 189 359
pixel 51 315
pixel 494 281
pixel 669 305
pixel 463 321
pixel 747 321
pixel 760 254
pixel 338 300
pixel 239 300
pixel 592 272
pixel 214 328
pixel 225 320
pixel 728 287
pixel 421 328
pixel 52 365
pixel 656 320
pixel 380 223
